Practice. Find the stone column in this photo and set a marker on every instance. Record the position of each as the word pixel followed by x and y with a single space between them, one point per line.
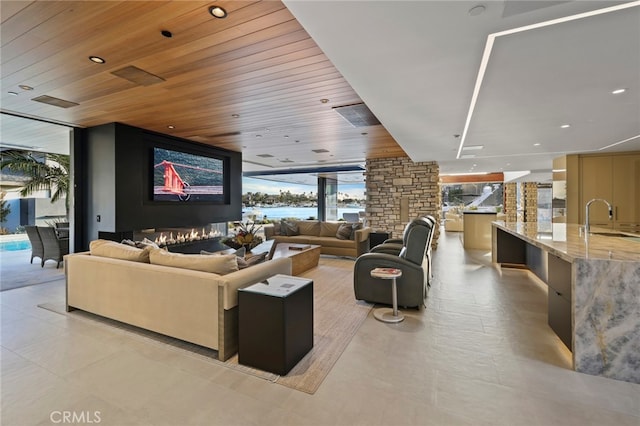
pixel 399 190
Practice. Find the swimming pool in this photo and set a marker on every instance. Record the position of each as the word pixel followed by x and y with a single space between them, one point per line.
pixel 15 245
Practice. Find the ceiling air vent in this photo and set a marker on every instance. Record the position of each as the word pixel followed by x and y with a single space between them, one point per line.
pixel 50 100
pixel 264 155
pixel 137 76
pixel 359 115
pixel 320 151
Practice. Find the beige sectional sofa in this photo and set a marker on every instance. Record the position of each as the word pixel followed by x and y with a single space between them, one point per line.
pixel 323 234
pixel 191 305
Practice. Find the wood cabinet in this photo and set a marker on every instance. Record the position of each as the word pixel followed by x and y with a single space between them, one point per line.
pixel 615 178
pixel 626 192
pixel 597 182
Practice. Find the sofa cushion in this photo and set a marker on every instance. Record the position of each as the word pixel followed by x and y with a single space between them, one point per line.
pixel 258 258
pixel 329 229
pixel 221 265
pixel 309 227
pixel 289 228
pixel 331 242
pixel 115 250
pixel 344 231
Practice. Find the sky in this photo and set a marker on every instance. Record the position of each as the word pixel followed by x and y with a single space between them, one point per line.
pixel 271 187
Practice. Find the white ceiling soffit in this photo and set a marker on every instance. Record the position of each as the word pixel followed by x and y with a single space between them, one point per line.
pixel 33 135
pixel 528 176
pixel 417 65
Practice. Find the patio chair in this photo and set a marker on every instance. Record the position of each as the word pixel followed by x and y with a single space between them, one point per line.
pixel 351 217
pixel 54 248
pixel 62 229
pixel 37 249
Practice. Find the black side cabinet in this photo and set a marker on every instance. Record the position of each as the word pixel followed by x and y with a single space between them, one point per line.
pixel 275 323
pixel 560 299
pixel 377 238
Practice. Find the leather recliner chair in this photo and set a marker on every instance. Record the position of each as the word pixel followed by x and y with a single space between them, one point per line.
pixel 412 286
pixel 394 246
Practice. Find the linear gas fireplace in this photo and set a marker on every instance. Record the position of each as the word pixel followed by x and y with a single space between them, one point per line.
pixel 186 239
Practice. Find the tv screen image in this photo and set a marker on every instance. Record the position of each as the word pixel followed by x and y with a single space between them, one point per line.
pixel 179 176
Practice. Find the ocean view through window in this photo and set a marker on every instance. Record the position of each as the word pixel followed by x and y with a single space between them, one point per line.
pixel 270 200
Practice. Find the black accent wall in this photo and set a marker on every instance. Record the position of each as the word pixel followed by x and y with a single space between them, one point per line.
pixel 118 187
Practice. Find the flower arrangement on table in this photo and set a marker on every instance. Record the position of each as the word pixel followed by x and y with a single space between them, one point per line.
pixel 245 235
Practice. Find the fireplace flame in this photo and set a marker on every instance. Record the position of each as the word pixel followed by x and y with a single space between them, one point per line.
pixel 163 240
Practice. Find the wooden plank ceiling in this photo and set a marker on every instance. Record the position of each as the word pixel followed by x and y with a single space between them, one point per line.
pixel 258 64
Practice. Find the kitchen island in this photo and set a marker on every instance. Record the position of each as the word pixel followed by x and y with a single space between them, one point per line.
pixel 594 290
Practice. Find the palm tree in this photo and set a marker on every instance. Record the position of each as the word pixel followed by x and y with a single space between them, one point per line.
pixel 49 173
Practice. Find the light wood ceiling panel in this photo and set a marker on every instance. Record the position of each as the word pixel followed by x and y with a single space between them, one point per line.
pixel 258 63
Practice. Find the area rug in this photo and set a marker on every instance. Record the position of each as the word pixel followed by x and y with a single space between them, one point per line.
pixel 337 317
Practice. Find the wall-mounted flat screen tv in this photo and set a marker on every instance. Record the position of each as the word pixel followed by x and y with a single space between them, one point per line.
pixel 184 177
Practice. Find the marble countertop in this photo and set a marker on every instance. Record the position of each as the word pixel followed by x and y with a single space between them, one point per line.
pixel 566 241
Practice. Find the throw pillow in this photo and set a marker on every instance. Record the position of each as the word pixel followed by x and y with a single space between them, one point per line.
pixel 240 252
pixel 258 258
pixel 239 256
pixel 354 228
pixel 289 228
pixel 146 243
pixel 115 250
pixel 344 231
pixel 221 265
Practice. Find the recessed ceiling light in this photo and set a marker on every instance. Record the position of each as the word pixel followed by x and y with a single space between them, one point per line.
pixel 364 133
pixel 25 87
pixel 324 101
pixel 235 115
pixel 166 33
pixel 286 136
pixel 97 59
pixel 171 126
pixel 618 91
pixel 258 136
pixel 13 93
pixel 536 144
pixel 217 12
pixel 565 126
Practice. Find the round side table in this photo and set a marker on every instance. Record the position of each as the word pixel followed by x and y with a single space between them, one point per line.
pixel 388 314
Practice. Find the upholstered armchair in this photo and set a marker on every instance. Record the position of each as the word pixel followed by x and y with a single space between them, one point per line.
pixel 412 260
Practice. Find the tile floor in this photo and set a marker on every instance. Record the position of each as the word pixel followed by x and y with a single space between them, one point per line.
pixel 481 353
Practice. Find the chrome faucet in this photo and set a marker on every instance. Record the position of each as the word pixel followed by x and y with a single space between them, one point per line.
pixel 586 222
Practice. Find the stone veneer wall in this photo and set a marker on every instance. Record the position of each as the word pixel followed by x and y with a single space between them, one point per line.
pixel 399 190
pixel 510 202
pixel 530 191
